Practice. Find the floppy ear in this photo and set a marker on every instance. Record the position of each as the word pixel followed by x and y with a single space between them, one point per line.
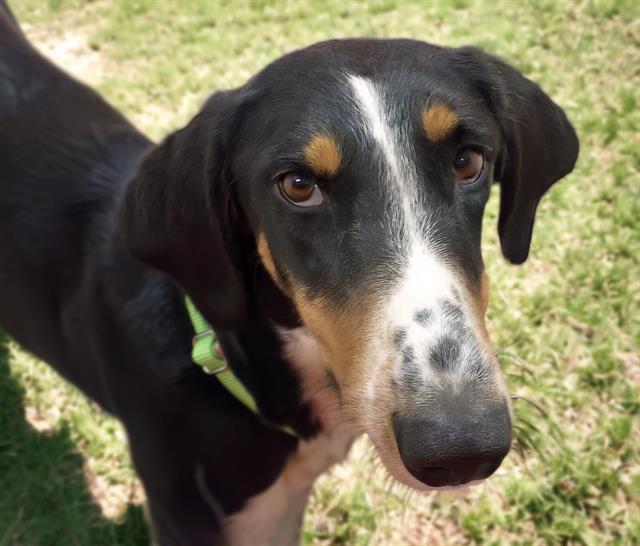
pixel 539 147
pixel 172 214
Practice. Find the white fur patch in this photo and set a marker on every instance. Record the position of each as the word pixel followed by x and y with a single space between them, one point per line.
pixel 393 143
pixel 303 353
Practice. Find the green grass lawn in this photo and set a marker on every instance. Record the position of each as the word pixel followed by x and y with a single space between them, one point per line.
pixel 566 324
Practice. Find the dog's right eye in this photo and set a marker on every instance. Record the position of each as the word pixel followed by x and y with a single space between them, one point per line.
pixel 300 189
pixel 468 166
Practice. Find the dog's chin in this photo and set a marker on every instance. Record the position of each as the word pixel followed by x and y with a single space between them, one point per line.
pixel 391 460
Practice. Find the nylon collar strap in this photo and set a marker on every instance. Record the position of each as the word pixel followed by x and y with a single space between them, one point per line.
pixel 207 354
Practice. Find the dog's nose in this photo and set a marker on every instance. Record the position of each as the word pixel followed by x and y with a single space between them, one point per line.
pixel 454 447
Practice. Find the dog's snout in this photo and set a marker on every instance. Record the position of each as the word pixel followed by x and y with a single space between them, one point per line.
pixel 454 447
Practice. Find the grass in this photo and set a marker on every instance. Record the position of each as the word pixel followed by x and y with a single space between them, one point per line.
pixel 566 324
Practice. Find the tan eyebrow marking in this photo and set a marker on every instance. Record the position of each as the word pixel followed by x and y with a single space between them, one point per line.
pixel 323 155
pixel 438 120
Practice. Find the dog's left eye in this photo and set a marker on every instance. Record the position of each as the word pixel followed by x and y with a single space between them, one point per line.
pixel 300 189
pixel 468 165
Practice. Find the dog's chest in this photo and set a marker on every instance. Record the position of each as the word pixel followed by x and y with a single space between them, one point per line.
pixel 274 517
pixel 303 353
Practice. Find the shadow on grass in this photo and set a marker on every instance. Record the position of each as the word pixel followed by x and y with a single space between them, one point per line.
pixel 44 500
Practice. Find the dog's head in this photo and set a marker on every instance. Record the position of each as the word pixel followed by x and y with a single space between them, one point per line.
pixel 360 170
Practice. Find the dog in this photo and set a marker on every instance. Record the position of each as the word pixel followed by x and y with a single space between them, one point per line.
pixel 325 219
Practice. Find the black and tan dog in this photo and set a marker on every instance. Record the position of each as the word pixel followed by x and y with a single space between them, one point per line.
pixel 325 218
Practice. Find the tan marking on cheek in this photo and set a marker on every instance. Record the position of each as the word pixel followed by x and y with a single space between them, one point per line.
pixel 323 155
pixel 438 120
pixel 484 293
pixel 339 333
pixel 343 336
pixel 479 299
pixel 265 256
pixel 264 252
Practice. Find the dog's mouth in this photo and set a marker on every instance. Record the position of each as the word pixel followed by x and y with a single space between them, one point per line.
pixel 392 461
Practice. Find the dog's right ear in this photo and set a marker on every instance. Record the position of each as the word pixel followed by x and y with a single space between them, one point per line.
pixel 173 216
pixel 539 147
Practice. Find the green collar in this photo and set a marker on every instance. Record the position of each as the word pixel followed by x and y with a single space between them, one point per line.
pixel 206 353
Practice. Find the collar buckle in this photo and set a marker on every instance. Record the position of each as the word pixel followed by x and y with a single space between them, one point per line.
pixel 208 355
pixel 210 360
pixel 209 370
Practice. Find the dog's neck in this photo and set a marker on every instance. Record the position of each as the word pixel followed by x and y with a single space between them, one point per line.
pixel 280 363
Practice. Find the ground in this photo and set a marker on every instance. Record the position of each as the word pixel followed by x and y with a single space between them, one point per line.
pixel 566 324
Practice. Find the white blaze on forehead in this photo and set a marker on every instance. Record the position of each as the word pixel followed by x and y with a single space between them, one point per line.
pixel 425 277
pixel 426 281
pixel 377 119
pixel 393 143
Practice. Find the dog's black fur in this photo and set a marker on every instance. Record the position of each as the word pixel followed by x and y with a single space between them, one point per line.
pixel 71 292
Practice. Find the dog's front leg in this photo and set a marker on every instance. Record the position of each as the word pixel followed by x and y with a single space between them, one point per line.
pixel 272 518
pixel 203 468
pixel 184 517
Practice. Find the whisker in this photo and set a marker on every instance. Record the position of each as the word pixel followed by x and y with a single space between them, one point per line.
pixel 533 404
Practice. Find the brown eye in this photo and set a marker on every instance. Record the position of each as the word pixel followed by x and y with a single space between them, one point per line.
pixel 468 165
pixel 300 189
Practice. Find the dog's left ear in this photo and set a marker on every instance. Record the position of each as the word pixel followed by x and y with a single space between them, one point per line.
pixel 539 145
pixel 176 212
